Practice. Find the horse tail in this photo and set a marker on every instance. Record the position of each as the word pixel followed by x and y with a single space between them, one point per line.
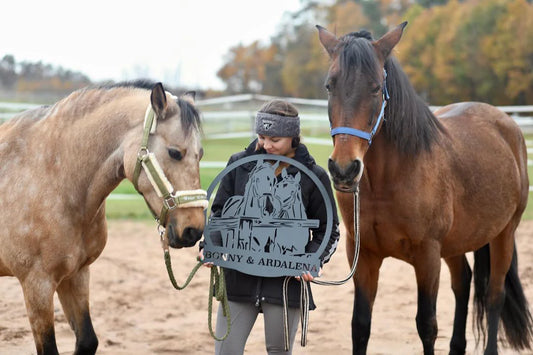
pixel 515 316
pixel 481 282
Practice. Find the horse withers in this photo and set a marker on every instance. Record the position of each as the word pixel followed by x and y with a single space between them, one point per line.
pixel 59 164
pixel 432 185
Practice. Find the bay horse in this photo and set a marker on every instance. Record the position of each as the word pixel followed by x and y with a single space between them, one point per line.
pixel 432 185
pixel 59 164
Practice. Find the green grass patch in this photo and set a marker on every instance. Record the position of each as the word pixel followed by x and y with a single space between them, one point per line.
pixel 134 208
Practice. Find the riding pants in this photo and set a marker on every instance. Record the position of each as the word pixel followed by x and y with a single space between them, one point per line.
pixel 243 317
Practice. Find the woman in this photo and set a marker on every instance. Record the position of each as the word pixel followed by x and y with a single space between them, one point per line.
pixel 278 132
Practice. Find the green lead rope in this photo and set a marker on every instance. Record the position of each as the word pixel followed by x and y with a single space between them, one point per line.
pixel 217 288
pixel 217 285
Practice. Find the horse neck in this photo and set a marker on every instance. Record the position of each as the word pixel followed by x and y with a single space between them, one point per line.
pixel 384 164
pixel 91 142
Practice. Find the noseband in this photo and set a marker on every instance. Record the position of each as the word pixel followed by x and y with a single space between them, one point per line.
pixel 164 189
pixel 362 134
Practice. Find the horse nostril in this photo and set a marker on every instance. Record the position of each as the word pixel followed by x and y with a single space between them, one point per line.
pixel 332 167
pixel 353 169
pixel 350 173
pixel 191 235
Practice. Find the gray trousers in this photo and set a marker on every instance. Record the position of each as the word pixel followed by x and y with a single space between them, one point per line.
pixel 243 316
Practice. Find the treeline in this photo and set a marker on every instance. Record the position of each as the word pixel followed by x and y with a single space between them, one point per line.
pixel 27 79
pixel 451 50
pixel 40 82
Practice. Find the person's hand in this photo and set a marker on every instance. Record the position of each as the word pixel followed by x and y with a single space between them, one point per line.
pixel 201 258
pixel 306 276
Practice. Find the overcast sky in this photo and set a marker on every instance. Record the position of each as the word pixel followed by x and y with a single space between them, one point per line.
pixel 173 41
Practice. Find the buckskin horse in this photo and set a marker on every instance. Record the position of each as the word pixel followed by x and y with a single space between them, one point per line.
pixel 432 185
pixel 59 164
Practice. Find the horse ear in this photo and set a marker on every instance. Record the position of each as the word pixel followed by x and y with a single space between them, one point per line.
pixel 284 173
pixel 328 40
pixel 390 39
pixel 189 96
pixel 297 177
pixel 158 98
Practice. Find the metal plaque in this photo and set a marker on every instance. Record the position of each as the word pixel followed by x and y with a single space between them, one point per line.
pixel 265 231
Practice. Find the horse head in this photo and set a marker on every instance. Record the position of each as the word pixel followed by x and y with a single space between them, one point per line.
pixel 357 94
pixel 287 188
pixel 263 178
pixel 163 163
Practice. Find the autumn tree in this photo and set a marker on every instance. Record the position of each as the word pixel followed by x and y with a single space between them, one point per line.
pixel 246 67
pixel 451 50
pixel 459 51
pixel 509 52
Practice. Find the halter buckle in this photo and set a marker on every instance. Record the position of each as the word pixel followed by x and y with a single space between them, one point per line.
pixel 170 202
pixel 142 153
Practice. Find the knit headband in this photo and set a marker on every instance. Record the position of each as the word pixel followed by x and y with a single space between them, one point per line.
pixel 271 125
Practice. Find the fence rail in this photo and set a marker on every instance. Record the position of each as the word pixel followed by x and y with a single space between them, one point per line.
pixel 233 116
pixel 227 108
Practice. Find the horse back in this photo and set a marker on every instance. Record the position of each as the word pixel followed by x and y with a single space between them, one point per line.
pixel 476 128
pixel 487 170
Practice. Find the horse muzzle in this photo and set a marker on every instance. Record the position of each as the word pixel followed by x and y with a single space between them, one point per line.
pixel 188 237
pixel 346 178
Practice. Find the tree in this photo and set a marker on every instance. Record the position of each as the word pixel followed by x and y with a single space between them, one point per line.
pixel 246 67
pixel 8 75
pixel 470 50
pixel 509 52
pixel 304 65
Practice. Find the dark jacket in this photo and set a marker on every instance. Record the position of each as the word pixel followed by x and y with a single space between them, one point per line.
pixel 242 287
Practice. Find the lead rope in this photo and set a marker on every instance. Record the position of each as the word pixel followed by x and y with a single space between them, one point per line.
pixel 217 287
pixel 304 289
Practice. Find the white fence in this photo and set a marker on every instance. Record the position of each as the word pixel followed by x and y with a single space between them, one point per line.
pixel 225 113
pixel 232 116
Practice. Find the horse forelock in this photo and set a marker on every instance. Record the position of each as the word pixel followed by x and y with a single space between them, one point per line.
pixel 357 55
pixel 190 116
pixel 409 124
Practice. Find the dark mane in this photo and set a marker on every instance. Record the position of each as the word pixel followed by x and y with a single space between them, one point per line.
pixel 190 116
pixel 138 84
pixel 409 123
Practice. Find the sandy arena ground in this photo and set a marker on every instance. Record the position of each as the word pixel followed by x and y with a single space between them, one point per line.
pixel 135 309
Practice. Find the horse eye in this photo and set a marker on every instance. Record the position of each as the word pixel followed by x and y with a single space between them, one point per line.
pixel 376 90
pixel 328 87
pixel 201 154
pixel 175 154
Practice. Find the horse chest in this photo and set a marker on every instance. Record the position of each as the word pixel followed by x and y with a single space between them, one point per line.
pixel 391 229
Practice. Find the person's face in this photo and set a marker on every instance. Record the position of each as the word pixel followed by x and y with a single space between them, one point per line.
pixel 276 145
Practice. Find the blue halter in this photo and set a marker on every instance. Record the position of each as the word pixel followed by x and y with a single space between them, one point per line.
pixel 362 134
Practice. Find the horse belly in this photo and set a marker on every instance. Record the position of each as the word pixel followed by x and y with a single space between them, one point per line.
pixel 488 175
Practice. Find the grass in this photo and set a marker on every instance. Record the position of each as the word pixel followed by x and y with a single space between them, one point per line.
pixel 221 150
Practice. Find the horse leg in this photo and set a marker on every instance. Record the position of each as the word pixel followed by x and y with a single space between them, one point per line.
pixel 366 285
pixel 427 269
pixel 461 277
pixel 501 254
pixel 74 296
pixel 39 299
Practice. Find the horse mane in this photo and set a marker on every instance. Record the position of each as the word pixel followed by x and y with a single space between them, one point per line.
pixel 190 115
pixel 409 123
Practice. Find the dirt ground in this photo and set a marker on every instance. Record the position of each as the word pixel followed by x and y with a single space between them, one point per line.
pixel 135 309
